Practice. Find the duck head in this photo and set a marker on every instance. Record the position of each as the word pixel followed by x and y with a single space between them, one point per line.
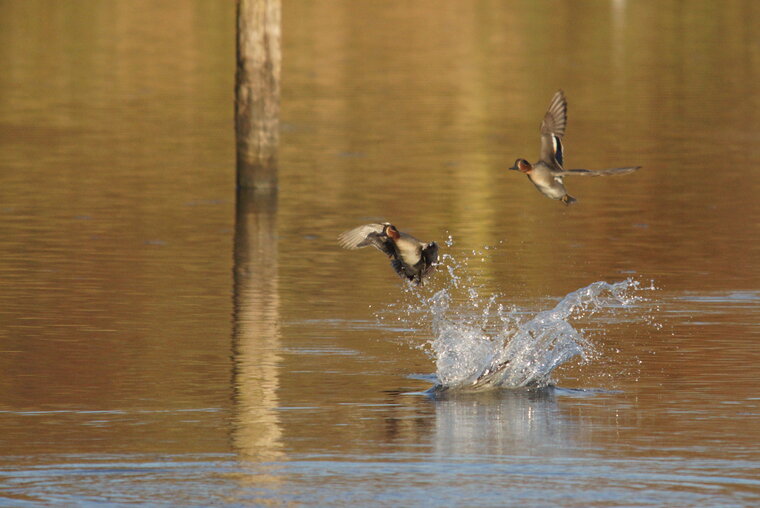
pixel 523 166
pixel 391 232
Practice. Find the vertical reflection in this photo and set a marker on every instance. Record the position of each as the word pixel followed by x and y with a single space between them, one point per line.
pixel 256 431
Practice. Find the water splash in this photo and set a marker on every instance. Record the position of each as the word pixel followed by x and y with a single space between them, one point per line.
pixel 479 343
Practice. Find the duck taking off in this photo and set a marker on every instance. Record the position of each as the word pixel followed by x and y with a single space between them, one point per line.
pixel 412 259
pixel 548 174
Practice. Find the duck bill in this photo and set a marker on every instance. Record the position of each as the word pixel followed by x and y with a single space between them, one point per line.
pixel 515 168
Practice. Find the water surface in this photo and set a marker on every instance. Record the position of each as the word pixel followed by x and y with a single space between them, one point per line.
pixel 160 344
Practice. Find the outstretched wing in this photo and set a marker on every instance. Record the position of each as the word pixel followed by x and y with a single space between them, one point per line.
pixel 363 236
pixel 552 130
pixel 599 172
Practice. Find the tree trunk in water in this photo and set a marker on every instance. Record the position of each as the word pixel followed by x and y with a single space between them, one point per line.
pixel 257 92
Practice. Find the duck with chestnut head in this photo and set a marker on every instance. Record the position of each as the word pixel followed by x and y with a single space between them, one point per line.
pixel 548 173
pixel 411 258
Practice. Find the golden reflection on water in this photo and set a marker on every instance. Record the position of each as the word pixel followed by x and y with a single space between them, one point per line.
pixel 118 220
pixel 256 344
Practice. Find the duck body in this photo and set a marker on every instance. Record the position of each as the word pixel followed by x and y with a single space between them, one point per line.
pixel 548 173
pixel 548 182
pixel 411 258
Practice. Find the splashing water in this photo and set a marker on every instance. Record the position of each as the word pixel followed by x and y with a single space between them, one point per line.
pixel 478 343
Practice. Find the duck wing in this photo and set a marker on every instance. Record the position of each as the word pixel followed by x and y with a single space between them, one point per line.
pixel 599 172
pixel 366 235
pixel 552 130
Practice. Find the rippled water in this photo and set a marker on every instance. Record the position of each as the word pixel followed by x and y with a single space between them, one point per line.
pixel 166 342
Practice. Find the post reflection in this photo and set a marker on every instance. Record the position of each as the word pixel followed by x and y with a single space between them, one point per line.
pixel 256 429
pixel 502 422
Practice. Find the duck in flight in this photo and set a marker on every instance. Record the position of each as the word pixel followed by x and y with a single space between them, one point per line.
pixel 412 259
pixel 548 174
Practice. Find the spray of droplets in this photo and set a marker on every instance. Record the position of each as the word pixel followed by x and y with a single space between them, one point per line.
pixel 480 341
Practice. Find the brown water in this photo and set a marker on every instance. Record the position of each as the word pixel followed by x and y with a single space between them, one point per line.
pixel 160 346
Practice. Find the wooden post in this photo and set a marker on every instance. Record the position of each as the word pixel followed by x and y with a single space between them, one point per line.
pixel 257 92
